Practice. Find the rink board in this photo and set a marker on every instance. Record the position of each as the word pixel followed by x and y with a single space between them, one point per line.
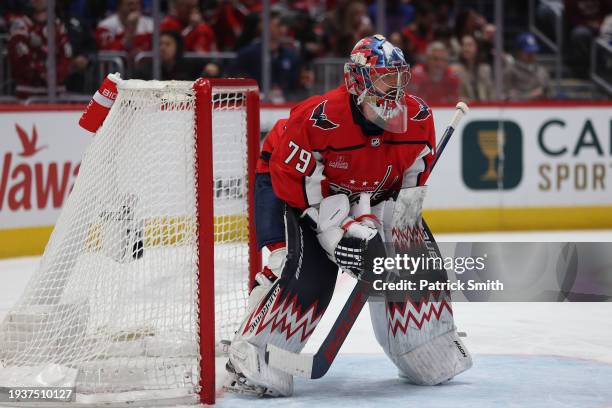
pixel 512 167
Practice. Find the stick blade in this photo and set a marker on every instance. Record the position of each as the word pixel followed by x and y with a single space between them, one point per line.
pixel 291 363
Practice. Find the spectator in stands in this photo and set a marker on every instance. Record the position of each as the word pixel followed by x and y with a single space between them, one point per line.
pixel 525 79
pixel 397 39
pixel 475 82
pixel 345 25
pixel 305 87
pixel 470 22
pixel 80 79
pixel 87 12
pixel 251 30
pixel 8 10
pixel 546 15
pixel 173 65
pixel 356 25
pixel 444 34
pixel 420 33
pixel 186 19
pixel 284 61
pixel 486 44
pixel 584 18
pixel 27 51
pixel 303 31
pixel 227 22
pixel 444 11
pixel 126 30
pixel 606 29
pixel 435 81
pixel 398 14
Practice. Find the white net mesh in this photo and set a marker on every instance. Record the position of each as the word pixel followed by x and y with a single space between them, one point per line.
pixel 112 307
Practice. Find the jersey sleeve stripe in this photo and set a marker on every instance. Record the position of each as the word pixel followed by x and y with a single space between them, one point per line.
pixel 265 156
pixel 339 149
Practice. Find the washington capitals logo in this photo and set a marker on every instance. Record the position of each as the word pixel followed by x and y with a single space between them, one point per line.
pixel 320 118
pixel 423 112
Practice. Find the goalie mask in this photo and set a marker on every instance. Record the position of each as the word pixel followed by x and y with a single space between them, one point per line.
pixel 378 75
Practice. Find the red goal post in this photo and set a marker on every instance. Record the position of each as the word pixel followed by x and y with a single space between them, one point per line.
pixel 205 88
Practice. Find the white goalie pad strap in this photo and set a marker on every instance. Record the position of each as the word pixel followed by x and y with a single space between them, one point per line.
pixel 436 361
pixel 332 213
pixel 384 213
pixel 312 185
pixel 258 292
pixel 412 173
pixel 295 363
pixel 276 261
pixel 249 360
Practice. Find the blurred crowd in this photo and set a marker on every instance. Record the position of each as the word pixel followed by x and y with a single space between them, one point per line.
pixel 449 44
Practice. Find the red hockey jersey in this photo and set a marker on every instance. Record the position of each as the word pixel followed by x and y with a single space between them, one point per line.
pixel 27 51
pixel 110 34
pixel 271 140
pixel 326 147
pixel 200 38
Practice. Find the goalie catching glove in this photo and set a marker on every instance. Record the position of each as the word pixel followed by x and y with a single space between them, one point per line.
pixel 351 243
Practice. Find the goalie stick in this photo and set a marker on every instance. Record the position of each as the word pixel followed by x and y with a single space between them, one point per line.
pixel 316 365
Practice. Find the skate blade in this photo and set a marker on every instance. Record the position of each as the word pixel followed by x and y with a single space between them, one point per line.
pixel 237 383
pixel 246 390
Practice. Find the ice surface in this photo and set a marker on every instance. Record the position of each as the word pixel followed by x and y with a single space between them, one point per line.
pixel 494 381
pixel 526 354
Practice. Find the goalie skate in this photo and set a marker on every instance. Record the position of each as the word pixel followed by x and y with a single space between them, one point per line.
pixel 237 383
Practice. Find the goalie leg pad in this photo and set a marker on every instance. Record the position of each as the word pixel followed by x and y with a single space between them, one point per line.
pixel 417 333
pixel 434 362
pixel 288 312
pixel 420 338
pixel 247 361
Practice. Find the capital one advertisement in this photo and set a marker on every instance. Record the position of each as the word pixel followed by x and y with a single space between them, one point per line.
pixel 527 157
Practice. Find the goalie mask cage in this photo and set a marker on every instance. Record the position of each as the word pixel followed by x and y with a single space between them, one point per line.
pixel 149 264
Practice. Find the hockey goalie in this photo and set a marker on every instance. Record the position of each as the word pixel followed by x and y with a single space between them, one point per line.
pixel 326 186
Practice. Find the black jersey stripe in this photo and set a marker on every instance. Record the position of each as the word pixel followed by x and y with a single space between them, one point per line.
pixel 265 156
pixel 339 149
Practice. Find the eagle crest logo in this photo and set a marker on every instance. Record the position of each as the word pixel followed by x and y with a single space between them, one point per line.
pixel 320 119
pixel 423 112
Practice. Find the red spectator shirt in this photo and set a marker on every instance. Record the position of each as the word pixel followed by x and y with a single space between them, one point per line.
pixel 227 25
pixel 110 34
pixel 200 38
pixel 418 44
pixel 320 151
pixel 27 51
pixel 444 91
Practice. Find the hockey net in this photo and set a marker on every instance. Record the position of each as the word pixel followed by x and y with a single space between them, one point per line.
pixel 121 305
